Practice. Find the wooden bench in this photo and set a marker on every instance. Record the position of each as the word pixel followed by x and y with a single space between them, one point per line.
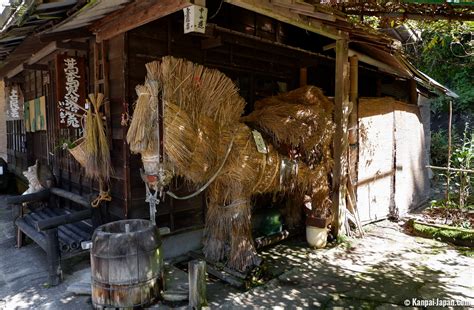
pixel 57 230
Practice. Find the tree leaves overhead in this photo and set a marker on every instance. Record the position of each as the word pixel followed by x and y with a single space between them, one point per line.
pixel 446 53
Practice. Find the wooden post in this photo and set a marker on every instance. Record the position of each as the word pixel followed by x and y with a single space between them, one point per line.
pixel 354 118
pixel 197 284
pixel 341 107
pixel 354 93
pixel 353 154
pixel 18 213
pixel 303 76
pixel 449 148
pixel 53 255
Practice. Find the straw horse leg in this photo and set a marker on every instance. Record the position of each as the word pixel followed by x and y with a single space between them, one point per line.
pixel 215 230
pixel 228 231
pixel 242 249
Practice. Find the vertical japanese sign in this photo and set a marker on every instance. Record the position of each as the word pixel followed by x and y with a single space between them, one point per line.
pixel 195 18
pixel 14 102
pixel 71 90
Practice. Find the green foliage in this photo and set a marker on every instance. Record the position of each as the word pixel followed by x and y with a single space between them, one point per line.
pixel 466 251
pixel 439 148
pixel 446 53
pixel 462 157
pixel 444 233
pixel 439 145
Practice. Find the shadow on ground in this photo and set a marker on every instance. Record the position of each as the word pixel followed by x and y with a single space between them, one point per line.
pixel 380 271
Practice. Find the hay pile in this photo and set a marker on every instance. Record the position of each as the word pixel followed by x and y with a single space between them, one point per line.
pixel 301 121
pixel 202 133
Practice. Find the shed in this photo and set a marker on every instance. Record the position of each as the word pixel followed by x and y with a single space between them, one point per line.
pixel 265 47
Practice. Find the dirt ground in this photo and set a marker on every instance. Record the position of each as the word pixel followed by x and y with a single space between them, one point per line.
pixel 382 270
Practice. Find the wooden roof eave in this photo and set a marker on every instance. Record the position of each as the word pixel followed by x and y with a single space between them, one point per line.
pixel 135 15
pixel 38 55
pixel 427 81
pixel 285 15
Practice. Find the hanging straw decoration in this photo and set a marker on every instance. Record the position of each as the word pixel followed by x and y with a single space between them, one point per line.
pixel 139 137
pixel 98 163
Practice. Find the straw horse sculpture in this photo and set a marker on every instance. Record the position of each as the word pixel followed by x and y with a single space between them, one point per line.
pixel 206 143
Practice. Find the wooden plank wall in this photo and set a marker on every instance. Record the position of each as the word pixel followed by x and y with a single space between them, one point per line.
pixel 24 148
pixel 16 147
pixel 118 95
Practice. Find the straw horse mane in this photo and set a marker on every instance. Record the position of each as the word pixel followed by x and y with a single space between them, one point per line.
pixel 204 139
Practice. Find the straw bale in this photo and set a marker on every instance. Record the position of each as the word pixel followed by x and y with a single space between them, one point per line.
pixel 301 118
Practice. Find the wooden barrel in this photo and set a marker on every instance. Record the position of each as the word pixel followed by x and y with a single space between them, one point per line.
pixel 126 264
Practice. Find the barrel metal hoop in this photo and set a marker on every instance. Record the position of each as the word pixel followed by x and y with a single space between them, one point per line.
pixel 126 285
pixel 127 255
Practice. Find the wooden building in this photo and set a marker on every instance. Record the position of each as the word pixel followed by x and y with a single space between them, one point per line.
pixel 266 47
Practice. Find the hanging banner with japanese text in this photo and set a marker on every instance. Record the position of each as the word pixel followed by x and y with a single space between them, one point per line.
pixel 71 90
pixel 14 103
pixel 195 18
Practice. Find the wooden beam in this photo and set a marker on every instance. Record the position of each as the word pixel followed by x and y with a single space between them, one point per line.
pixel 380 65
pixel 15 71
pixel 42 53
pixel 73 45
pixel 329 46
pixel 317 15
pixel 37 67
pixel 373 62
pixel 135 15
pixel 341 106
pixel 31 63
pixel 286 16
pixel 414 16
pixel 65 35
